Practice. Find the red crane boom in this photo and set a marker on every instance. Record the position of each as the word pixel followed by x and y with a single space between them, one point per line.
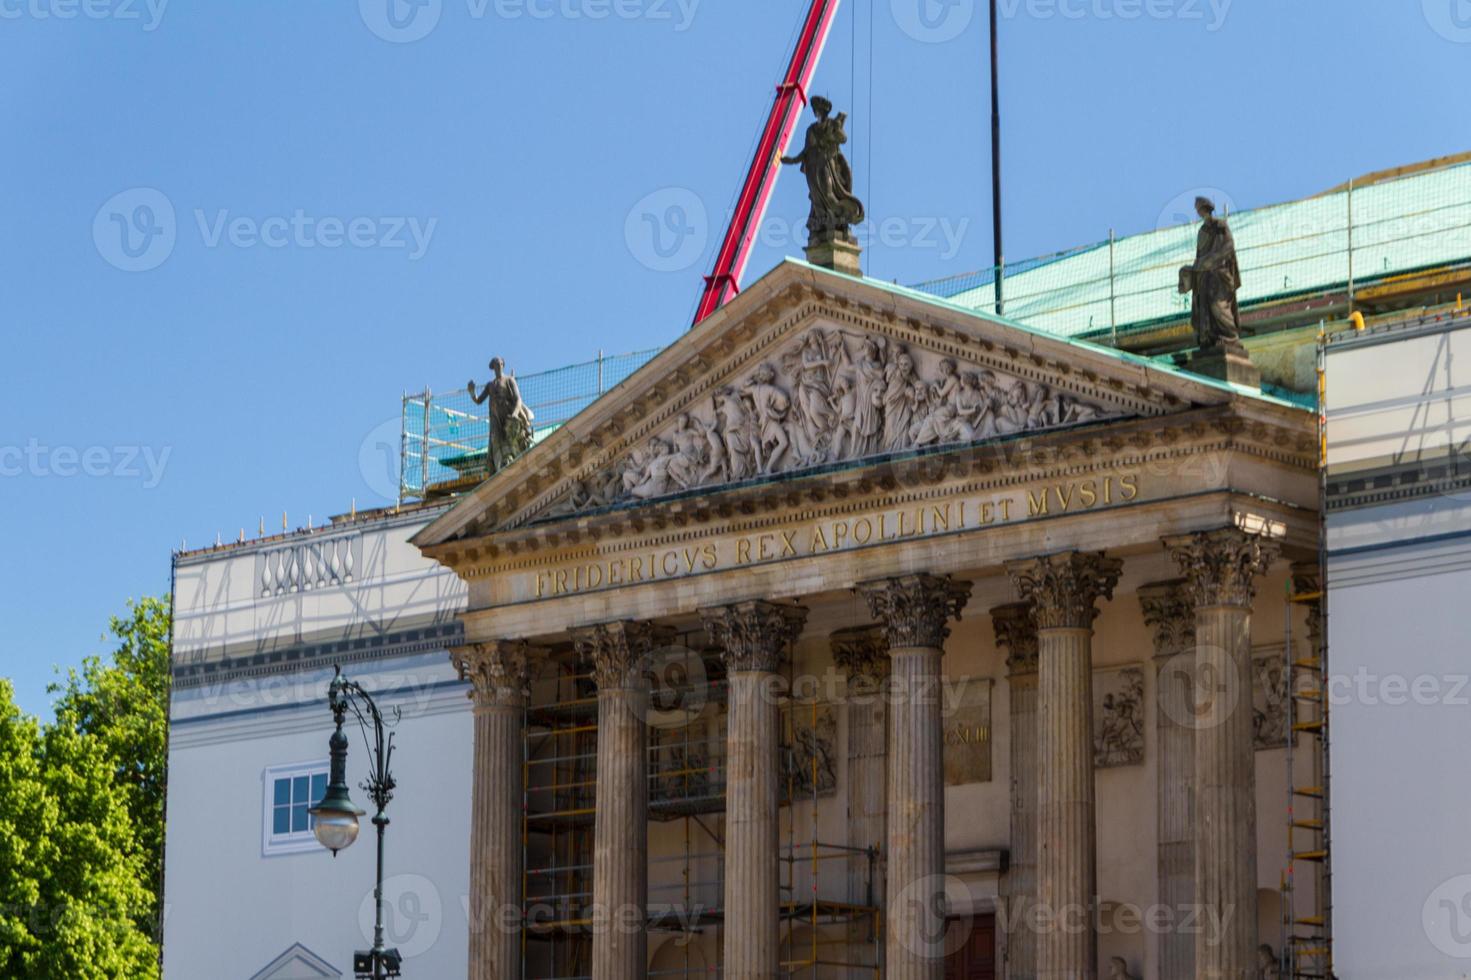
pixel 791 95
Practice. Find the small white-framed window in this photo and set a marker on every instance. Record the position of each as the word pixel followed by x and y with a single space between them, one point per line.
pixel 289 792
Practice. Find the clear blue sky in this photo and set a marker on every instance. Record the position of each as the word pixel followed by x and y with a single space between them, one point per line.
pixel 243 372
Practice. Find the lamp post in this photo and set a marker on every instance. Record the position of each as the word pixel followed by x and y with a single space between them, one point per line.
pixel 336 817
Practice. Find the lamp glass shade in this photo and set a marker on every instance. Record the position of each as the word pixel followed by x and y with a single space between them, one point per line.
pixel 336 821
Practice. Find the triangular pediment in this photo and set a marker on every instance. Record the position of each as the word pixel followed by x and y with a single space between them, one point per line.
pixel 297 963
pixel 809 371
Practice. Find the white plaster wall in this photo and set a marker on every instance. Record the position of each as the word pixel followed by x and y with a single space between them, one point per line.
pixel 231 910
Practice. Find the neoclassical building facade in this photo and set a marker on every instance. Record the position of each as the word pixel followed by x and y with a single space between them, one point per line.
pixel 1043 573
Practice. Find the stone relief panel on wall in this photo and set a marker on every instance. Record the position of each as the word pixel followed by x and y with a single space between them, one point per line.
pixel 831 396
pixel 968 734
pixel 1269 702
pixel 809 751
pixel 1118 717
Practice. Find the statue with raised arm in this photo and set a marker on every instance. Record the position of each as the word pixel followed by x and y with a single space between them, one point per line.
pixel 829 178
pixel 510 417
pixel 1213 279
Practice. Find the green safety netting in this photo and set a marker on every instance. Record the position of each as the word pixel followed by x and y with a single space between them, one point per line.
pixel 1398 226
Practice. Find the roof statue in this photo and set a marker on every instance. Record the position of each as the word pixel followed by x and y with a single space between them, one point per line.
pixel 835 209
pixel 510 418
pixel 1214 279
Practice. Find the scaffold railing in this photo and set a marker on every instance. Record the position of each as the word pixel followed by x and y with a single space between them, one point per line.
pixel 445 434
pixel 1355 239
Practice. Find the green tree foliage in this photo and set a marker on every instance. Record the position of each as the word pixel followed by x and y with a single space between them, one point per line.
pixel 72 885
pixel 121 704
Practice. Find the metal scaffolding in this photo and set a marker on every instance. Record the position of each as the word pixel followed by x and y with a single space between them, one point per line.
pixel 686 789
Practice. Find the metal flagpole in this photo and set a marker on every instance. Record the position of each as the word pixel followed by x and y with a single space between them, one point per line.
pixel 996 164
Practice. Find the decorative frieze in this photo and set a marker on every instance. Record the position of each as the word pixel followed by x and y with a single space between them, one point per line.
pixel 1064 589
pixel 916 610
pixel 1016 633
pixel 620 653
pixel 830 396
pixel 1221 566
pixel 499 671
pixel 753 635
pixel 1118 717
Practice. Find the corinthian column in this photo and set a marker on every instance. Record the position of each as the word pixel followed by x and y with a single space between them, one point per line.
pixel 916 611
pixel 1064 590
pixel 1171 615
pixel 619 654
pixel 862 654
pixel 499 673
pixel 754 635
pixel 1016 633
pixel 1220 568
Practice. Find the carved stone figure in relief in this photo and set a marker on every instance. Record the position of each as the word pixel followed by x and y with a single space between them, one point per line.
pixel 771 405
pixel 737 429
pixel 828 397
pixel 899 406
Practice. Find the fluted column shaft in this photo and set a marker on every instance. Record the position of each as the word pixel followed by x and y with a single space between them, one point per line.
pixel 1016 633
pixel 862 653
pixel 916 611
pixel 1063 590
pixel 619 654
pixel 1171 615
pixel 753 636
pixel 1220 568
pixel 499 672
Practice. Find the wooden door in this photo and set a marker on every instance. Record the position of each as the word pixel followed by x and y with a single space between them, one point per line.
pixel 976 958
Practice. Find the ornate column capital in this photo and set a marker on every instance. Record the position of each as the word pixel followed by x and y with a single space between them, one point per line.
pixel 916 609
pixel 1016 633
pixel 620 652
pixel 862 652
pixel 1221 566
pixel 753 635
pixel 1064 589
pixel 1170 613
pixel 499 670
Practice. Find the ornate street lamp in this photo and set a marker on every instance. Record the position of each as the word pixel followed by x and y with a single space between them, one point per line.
pixel 336 817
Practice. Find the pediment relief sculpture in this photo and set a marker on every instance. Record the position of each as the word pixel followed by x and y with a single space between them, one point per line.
pixel 830 396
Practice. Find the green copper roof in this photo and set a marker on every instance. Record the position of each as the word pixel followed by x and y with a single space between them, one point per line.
pixel 1398 226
